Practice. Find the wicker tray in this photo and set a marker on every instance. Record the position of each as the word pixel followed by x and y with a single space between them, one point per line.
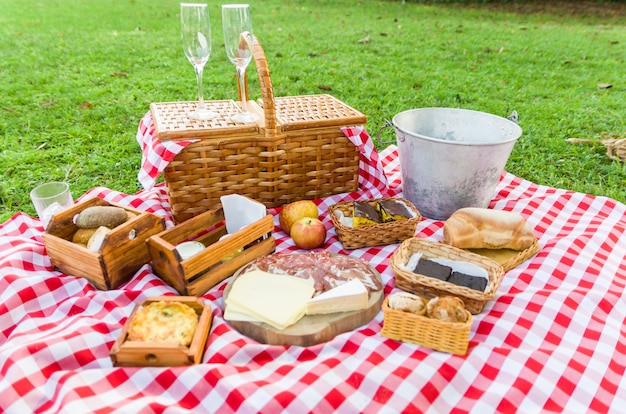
pixel 295 151
pixel 376 234
pixel 506 257
pixel 421 330
pixel 430 287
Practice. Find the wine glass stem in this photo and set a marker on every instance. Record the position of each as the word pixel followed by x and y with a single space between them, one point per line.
pixel 241 75
pixel 199 70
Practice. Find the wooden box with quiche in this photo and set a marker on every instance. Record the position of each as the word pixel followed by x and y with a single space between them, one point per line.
pixel 101 241
pixel 164 331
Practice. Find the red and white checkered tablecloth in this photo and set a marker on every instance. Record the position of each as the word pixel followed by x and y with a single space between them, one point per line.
pixel 553 339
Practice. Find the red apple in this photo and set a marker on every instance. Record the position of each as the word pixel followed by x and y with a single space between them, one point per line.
pixel 292 212
pixel 308 233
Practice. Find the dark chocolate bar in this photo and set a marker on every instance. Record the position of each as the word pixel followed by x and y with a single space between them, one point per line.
pixel 432 269
pixel 392 210
pixel 472 282
pixel 365 213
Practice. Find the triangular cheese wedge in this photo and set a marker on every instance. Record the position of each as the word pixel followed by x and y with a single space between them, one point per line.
pixel 347 297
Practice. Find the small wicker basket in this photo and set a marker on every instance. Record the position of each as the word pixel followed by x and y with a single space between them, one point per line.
pixel 422 330
pixel 375 234
pixel 295 151
pixel 430 287
pixel 506 257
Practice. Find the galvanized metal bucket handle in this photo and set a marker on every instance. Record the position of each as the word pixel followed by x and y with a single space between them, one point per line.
pixel 513 117
pixel 387 124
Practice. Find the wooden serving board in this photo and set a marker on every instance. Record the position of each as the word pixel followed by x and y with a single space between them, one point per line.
pixel 311 329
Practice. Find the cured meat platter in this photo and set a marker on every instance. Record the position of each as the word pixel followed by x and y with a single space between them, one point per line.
pixel 312 329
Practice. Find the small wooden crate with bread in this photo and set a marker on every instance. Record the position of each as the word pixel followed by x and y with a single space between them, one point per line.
pixel 90 240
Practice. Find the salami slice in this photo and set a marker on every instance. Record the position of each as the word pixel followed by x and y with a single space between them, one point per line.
pixel 326 270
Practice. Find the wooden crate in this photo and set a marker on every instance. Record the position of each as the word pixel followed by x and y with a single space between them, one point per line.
pixel 219 260
pixel 122 254
pixel 135 353
pixel 295 151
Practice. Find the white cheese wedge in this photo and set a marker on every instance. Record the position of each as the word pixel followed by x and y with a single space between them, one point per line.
pixel 348 297
pixel 278 300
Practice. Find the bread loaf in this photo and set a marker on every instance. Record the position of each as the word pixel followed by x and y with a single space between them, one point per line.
pixel 482 228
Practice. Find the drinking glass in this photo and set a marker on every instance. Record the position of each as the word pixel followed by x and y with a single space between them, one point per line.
pixel 196 38
pixel 51 198
pixel 237 26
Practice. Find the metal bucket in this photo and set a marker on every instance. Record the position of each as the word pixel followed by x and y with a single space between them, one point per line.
pixel 451 158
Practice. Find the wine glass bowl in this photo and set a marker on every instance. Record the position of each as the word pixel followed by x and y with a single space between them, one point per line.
pixel 237 26
pixel 196 41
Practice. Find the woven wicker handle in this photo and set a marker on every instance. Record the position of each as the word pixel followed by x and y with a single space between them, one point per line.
pixel 267 92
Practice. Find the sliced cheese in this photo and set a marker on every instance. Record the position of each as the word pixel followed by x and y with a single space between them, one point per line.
pixel 278 300
pixel 234 312
pixel 344 298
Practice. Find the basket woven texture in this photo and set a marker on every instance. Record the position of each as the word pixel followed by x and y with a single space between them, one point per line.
pixel 430 287
pixel 508 258
pixel 375 234
pixel 422 330
pixel 295 151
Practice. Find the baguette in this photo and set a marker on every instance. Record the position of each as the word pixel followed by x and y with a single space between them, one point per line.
pixel 482 228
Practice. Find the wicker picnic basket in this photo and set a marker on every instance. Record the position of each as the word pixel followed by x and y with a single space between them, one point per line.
pixel 430 287
pixel 295 151
pixel 422 330
pixel 375 234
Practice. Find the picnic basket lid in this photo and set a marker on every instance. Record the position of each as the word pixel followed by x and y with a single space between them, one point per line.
pixel 278 114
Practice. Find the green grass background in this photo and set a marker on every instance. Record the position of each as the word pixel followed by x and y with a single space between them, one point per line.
pixel 77 76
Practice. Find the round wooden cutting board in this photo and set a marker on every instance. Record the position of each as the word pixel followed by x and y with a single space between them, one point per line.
pixel 311 329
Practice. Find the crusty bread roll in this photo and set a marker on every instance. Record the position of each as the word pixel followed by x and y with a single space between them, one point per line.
pixel 446 308
pixel 82 236
pixel 483 228
pixel 407 302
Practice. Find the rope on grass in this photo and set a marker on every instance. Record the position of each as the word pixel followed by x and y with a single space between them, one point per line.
pixel 615 147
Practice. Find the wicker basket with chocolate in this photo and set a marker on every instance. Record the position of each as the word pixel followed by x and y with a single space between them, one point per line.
pixel 374 222
pixel 434 269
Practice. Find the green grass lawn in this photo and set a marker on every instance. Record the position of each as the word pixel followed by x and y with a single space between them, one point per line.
pixel 77 76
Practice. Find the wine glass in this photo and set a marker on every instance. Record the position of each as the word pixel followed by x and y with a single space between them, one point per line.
pixel 196 38
pixel 237 27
